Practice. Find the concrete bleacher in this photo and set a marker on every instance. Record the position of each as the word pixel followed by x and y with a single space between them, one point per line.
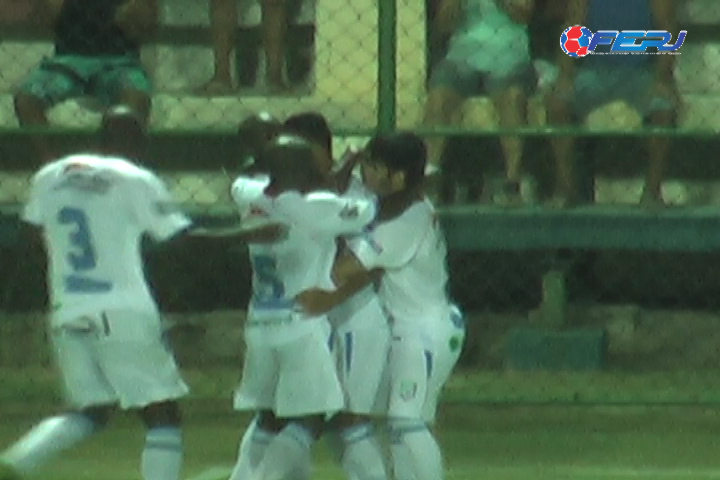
pixel 344 83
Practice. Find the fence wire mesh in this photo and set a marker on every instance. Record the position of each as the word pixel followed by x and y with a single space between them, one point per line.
pixel 489 85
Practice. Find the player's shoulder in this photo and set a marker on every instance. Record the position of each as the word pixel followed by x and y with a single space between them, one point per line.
pixel 416 216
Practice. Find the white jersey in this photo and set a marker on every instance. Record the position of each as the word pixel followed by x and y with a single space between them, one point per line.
pixel 94 211
pixel 411 250
pixel 303 259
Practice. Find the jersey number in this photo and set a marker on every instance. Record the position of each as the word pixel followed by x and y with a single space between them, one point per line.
pixel 82 258
pixel 269 289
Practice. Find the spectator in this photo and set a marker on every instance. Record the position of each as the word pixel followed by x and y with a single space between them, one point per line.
pixel 588 83
pixel 97 54
pixel 488 52
pixel 276 15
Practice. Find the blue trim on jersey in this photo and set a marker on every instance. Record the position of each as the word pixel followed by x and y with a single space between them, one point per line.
pixel 348 350
pixel 78 284
pixel 428 362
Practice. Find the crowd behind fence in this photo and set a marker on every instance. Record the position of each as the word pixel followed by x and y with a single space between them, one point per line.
pixel 486 81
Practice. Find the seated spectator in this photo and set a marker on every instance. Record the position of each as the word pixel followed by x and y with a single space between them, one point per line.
pixel 276 16
pixel 97 54
pixel 488 52
pixel 644 82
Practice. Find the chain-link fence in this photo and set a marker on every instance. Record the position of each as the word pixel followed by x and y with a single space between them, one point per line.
pixel 548 282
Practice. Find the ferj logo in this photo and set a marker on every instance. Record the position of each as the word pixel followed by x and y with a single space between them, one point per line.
pixel 578 41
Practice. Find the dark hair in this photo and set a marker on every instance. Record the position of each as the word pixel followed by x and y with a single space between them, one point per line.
pixel 290 160
pixel 122 132
pixel 400 152
pixel 312 126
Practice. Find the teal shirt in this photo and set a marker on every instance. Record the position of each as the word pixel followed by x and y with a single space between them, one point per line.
pixel 488 40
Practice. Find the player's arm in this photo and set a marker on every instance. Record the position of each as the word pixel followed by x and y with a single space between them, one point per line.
pixel 664 16
pixel 239 234
pixel 577 11
pixel 348 162
pixel 350 277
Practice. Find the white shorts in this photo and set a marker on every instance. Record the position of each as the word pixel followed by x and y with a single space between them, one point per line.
pixel 116 357
pixel 420 363
pixel 293 379
pixel 361 347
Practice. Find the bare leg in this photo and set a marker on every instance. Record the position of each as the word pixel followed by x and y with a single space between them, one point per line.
pixel 562 147
pixel 223 22
pixel 657 148
pixel 511 105
pixel 139 101
pixel 31 112
pixel 274 30
pixel 439 109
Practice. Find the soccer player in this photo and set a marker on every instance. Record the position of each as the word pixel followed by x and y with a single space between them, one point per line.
pixel 406 243
pixel 92 211
pixel 289 374
pixel 360 335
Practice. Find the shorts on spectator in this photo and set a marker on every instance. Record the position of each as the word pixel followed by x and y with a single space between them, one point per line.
pixel 595 88
pixel 468 82
pixel 63 77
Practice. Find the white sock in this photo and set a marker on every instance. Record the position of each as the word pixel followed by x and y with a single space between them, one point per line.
pixel 362 458
pixel 287 456
pixel 251 452
pixel 415 453
pixel 48 438
pixel 162 455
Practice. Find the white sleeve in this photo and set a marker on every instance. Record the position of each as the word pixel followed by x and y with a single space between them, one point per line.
pixel 246 192
pixel 158 214
pixel 327 213
pixel 33 210
pixel 390 245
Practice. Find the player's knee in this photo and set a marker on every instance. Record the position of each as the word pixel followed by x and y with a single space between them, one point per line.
pixel 99 416
pixel 165 414
pixel 399 427
pixel 267 421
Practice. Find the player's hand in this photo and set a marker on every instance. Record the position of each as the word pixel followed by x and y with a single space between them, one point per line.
pixel 349 160
pixel 316 301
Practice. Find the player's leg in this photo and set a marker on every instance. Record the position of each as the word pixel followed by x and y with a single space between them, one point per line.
pixel 52 82
pixel 223 24
pixel 137 362
pixel 307 391
pixel 256 393
pixel 254 443
pixel 123 81
pixel 163 451
pixel 361 355
pixel 415 454
pixel 87 392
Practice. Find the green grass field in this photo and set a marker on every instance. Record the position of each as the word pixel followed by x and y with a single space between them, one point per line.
pixel 507 441
pixel 499 443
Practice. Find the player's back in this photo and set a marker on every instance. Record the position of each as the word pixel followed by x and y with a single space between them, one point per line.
pixel 302 260
pixel 94 211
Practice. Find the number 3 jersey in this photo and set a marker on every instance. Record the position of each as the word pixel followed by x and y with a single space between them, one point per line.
pixel 302 260
pixel 94 211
